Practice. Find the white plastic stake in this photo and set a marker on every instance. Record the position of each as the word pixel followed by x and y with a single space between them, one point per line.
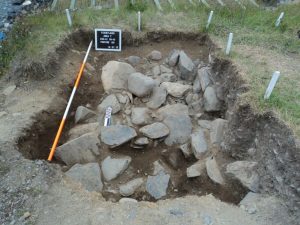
pixel 69 17
pixel 229 43
pixel 209 19
pixel 205 3
pixel 192 3
pixel 238 2
pixel 139 21
pixel 272 84
pixel 171 4
pixel 158 5
pixel 254 3
pixel 278 21
pixel 132 2
pixel 53 5
pixel 93 3
pixel 221 2
pixel 72 5
pixel 116 4
pixel 107 118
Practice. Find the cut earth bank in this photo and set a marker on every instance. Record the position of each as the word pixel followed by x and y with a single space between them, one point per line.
pixel 178 130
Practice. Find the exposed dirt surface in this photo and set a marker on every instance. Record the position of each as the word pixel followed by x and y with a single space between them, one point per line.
pixel 44 191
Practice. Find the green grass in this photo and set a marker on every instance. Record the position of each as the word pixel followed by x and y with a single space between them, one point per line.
pixel 34 36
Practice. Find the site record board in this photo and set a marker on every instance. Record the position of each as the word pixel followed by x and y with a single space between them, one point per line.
pixel 108 40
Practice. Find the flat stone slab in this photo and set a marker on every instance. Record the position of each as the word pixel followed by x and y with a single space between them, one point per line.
pixel 83 113
pixel 83 149
pixel 89 175
pixel 211 102
pixel 140 116
pixel 176 89
pixel 109 101
pixel 117 135
pixel 158 97
pixel 112 168
pixel 213 171
pixel 199 144
pixel 196 169
pixel 217 130
pixel 157 185
pixel 130 187
pixel 155 130
pixel 140 85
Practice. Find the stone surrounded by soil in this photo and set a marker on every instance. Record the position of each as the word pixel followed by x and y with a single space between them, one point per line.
pixel 141 141
pixel 117 135
pixel 204 78
pixel 155 55
pixel 199 144
pixel 180 127
pixel 157 167
pixel 140 85
pixel 158 97
pixel 134 60
pixel 196 169
pixel 217 130
pixel 155 130
pixel 109 101
pixel 245 172
pixel 130 187
pixel 89 175
pixel 115 75
pixel 211 102
pixel 186 150
pixel 173 57
pixel 83 149
pixel 140 116
pixel 128 201
pixel 83 113
pixel 114 167
pixel 82 129
pixel 213 171
pixel 175 89
pixel 157 185
pixel 186 67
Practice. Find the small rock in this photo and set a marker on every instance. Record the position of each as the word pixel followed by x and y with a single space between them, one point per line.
pixel 157 185
pixel 142 141
pixel 89 175
pixel 217 131
pixel 140 85
pixel 158 97
pixel 186 150
pixel 245 172
pixel 82 129
pixel 175 89
pixel 211 102
pixel 204 77
pixel 7 91
pixel 83 113
pixel 186 67
pixel 155 55
pixel 165 69
pixel 130 187
pixel 117 135
pixel 250 201
pixel 196 169
pixel 156 71
pixel 134 60
pixel 140 116
pixel 26 215
pixel 155 130
pixel 157 167
pixel 167 77
pixel 112 168
pixel 127 200
pixel 173 57
pixel 109 101
pixel 198 143
pixel 213 171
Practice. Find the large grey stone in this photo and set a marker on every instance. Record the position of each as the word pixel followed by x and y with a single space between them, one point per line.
pixel 83 113
pixel 115 75
pixel 217 131
pixel 140 85
pixel 89 175
pixel 155 55
pixel 112 101
pixel 130 187
pixel 175 109
pixel 176 89
pixel 117 135
pixel 213 171
pixel 155 130
pixel 180 127
pixel 140 116
pixel 158 97
pixel 112 168
pixel 80 150
pixel 82 129
pixel 211 102
pixel 204 77
pixel 245 172
pixel 173 57
pixel 196 169
pixel 186 67
pixel 157 185
pixel 198 143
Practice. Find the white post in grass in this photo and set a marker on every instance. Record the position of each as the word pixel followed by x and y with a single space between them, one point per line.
pixel 254 3
pixel 132 2
pixel 72 4
pixel 116 4
pixel 238 2
pixel 272 84
pixel 278 21
pixel 229 43
pixel 69 17
pixel 93 3
pixel 209 19
pixel 221 2
pixel 139 21
pixel 157 3
pixel 171 4
pixel 205 3
pixel 53 5
pixel 192 3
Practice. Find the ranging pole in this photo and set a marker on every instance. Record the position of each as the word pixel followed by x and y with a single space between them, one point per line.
pixel 62 123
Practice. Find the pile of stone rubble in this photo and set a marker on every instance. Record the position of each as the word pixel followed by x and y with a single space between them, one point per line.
pixel 170 106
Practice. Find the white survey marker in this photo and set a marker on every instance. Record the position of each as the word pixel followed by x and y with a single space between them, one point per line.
pixel 209 19
pixel 69 17
pixel 107 118
pixel 278 21
pixel 272 84
pixel 139 21
pixel 229 43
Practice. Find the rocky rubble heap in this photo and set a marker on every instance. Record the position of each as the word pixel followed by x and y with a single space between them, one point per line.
pixel 169 108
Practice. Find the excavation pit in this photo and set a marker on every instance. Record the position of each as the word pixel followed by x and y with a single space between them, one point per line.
pixel 158 158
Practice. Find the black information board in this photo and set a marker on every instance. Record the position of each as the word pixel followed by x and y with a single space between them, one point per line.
pixel 108 40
